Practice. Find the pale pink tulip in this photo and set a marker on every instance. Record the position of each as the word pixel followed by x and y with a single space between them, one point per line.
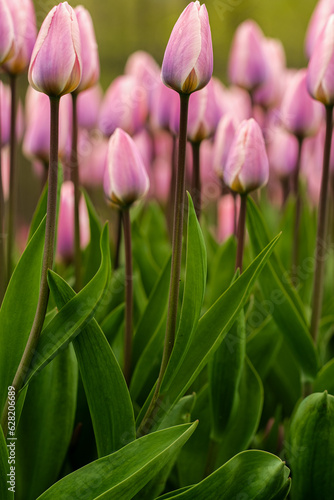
pixel 222 143
pixel 203 114
pixel 88 107
pixel 320 16
pixel 7 40
pixel 89 51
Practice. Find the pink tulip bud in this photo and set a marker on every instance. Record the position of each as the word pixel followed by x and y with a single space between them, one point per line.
pixel 203 114
pixel 239 103
pixel 222 143
pixel 36 143
pixel 55 66
pixel 143 66
pixel 320 16
pixel 124 106
pixel 162 102
pixel 24 22
pixel 226 217
pixel 282 150
pixel 65 238
pixel 320 73
pixel 88 107
pixel 7 41
pixel 125 178
pixel 90 65
pixel 92 154
pixel 188 61
pixel 247 163
pixel 248 67
pixel 300 114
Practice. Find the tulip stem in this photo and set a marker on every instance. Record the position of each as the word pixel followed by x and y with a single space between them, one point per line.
pixel 47 259
pixel 171 195
pixel 298 208
pixel 3 280
pixel 12 177
pixel 128 295
pixel 320 252
pixel 241 232
pixel 173 300
pixel 75 180
pixel 196 179
pixel 118 239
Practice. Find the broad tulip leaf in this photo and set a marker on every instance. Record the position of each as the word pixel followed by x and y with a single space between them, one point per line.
pixel 221 271
pixel 74 316
pixel 18 309
pixel 211 329
pixel 5 494
pixel 325 379
pixel 263 345
pixel 125 472
pixel 40 212
pixel 282 300
pixel 46 425
pixel 106 391
pixel 142 257
pixel 253 475
pixel 113 322
pixel 92 252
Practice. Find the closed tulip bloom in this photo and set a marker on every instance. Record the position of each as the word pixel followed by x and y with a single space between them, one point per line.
pixel 320 16
pixel 88 107
pixel 203 114
pixel 248 67
pixel 90 64
pixel 188 61
pixel 24 22
pixel 320 72
pixel 300 114
pixel 143 66
pixel 125 106
pixel 282 150
pixel 65 238
pixel 224 137
pixel 7 40
pixel 92 153
pixel 247 165
pixel 125 178
pixel 161 104
pixel 55 66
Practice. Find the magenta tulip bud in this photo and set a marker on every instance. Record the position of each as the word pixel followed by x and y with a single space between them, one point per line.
pixel 125 178
pixel 300 114
pixel 125 106
pixel 224 137
pixel 320 72
pixel 282 150
pixel 247 165
pixel 203 114
pixel 65 237
pixel 7 40
pixel 24 22
pixel 36 142
pixel 188 61
pixel 320 16
pixel 55 67
pixel 88 107
pixel 248 67
pixel 90 65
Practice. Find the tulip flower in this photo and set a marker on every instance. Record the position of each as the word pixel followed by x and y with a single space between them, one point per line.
pixel 125 106
pixel 55 66
pixel 92 153
pixel 320 16
pixel 224 137
pixel 88 107
pixel 320 79
pixel 89 52
pixel 125 181
pixel 226 217
pixel 188 61
pixel 7 40
pixel 143 66
pixel 65 238
pixel 163 101
pixel 248 66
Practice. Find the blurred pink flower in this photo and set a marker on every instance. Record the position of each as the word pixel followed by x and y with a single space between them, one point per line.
pixel 92 153
pixel 5 172
pixel 282 150
pixel 222 143
pixel 320 16
pixel 143 66
pixel 88 107
pixel 203 115
pixel 7 40
pixel 90 65
pixel 226 217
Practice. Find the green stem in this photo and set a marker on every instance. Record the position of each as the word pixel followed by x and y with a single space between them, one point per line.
pixel 298 208
pixel 12 177
pixel 148 419
pixel 320 252
pixel 118 239
pixel 47 258
pixel 128 296
pixel 241 232
pixel 3 280
pixel 75 180
pixel 171 195
pixel 196 179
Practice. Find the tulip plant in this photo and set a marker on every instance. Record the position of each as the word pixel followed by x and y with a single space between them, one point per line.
pixel 184 348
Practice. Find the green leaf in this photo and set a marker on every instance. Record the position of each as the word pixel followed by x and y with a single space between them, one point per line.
pixel 210 332
pixel 282 300
pixel 106 391
pixel 74 316
pixel 193 295
pixel 121 475
pixel 40 212
pixel 5 469
pixel 263 345
pixel 18 309
pixel 253 475
pixel 245 420
pixel 325 379
pixel 221 270
pixel 46 426
pixel 92 252
pixel 113 322
pixel 142 257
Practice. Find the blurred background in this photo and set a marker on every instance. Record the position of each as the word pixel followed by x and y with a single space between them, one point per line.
pixel 124 27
